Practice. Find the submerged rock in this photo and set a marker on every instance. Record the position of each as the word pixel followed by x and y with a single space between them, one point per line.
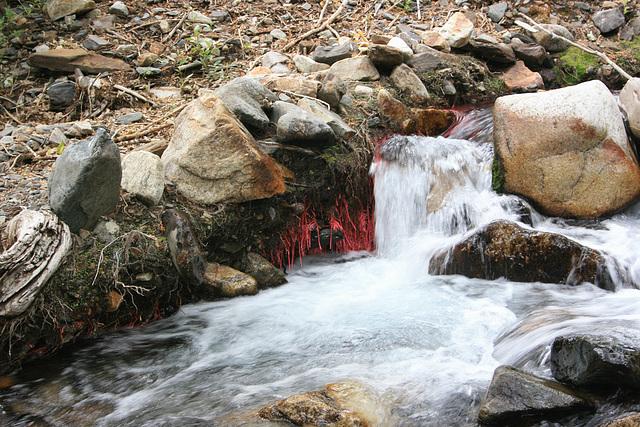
pixel 516 398
pixel 566 150
pixel 505 249
pixel 599 362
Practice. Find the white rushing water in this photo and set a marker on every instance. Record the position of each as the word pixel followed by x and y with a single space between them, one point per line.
pixel 424 347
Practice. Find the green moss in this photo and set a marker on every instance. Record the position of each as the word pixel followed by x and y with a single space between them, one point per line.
pixel 573 64
pixel 629 56
pixel 497 175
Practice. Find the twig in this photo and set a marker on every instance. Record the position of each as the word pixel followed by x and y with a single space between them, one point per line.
pixel 9 100
pixel 178 25
pixel 600 55
pixel 11 115
pixel 113 33
pixel 134 94
pixel 419 13
pixel 324 9
pixel 137 135
pixel 146 24
pixel 287 147
pixel 328 22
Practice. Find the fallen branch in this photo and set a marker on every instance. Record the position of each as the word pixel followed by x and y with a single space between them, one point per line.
pixel 324 9
pixel 328 22
pixel 134 94
pixel 137 135
pixel 178 25
pixel 287 147
pixel 600 55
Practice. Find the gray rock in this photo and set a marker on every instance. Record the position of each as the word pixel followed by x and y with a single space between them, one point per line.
pixel 94 42
pixel 272 58
pixel 400 44
pixel 384 56
pixel 278 34
pixel 143 176
pixel 148 71
pixel 494 52
pixel 549 41
pixel 359 68
pixel 363 91
pixel 533 55
pixel 184 246
pixel 85 183
pixel 515 397
pixel 129 118
pixel 62 94
pixel 57 9
pixel 200 18
pixel 297 126
pixel 598 362
pixel 407 81
pixel 304 64
pixel 219 16
pixel 629 102
pixel 332 54
pixel 426 61
pixel 332 90
pixel 107 231
pixel 57 137
pixel 248 100
pixel 119 9
pixel 608 20
pixel 497 10
pixel 265 273
pixel 335 122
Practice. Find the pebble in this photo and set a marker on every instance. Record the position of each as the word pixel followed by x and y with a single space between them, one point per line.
pixel 129 118
pixel 278 34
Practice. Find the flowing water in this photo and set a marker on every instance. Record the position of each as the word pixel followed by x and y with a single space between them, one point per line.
pixel 423 348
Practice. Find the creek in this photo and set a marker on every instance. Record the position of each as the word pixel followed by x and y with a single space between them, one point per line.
pixel 423 347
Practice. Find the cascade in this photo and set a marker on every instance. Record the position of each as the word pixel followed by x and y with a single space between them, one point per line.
pixel 425 347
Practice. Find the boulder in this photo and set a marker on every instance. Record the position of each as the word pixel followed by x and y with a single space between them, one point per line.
pixel 495 52
pixel 608 20
pixel 549 40
pixel 505 249
pixel 57 9
pixel 213 158
pixel 457 30
pixel 519 78
pixel 248 100
pixel 359 68
pixel 222 281
pixel 85 183
pixel 629 101
pixel 67 60
pixel 407 81
pixel 143 176
pixel 332 54
pixel 566 150
pixel 517 398
pixel 265 273
pixel 384 56
pixel 598 362
pixel 184 246
pixel 335 122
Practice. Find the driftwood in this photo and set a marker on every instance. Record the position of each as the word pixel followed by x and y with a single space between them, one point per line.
pixel 35 243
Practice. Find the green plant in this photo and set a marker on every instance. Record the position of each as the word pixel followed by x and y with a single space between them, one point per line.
pixel 207 52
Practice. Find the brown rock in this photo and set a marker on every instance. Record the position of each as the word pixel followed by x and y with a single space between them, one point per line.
pixel 519 78
pixel 435 40
pixel 628 421
pixel 430 122
pixel 384 56
pixel 68 60
pixel 390 106
pixel 297 85
pixel 505 249
pixel 227 282
pixel 259 71
pixel 114 299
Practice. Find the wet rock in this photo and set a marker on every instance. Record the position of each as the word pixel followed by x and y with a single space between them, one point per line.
pixel 626 421
pixel 629 101
pixel 120 9
pixel 519 78
pixel 332 90
pixel 582 166
pixel 497 10
pixel 143 176
pixel 429 122
pixel 505 249
pixel 68 60
pixel 407 81
pixel 608 20
pixel 57 9
pixel 304 64
pixel 359 68
pixel 213 158
pixel 294 125
pixel 297 85
pixel 390 106
pixel 62 94
pixel 385 57
pixel 425 61
pixel 341 404
pixel 34 244
pixel 550 41
pixel 265 273
pixel 335 122
pixel 227 282
pixel 85 183
pixel 332 54
pixel 248 100
pixel 516 398
pixel 458 30
pixel 598 362
pixel 184 246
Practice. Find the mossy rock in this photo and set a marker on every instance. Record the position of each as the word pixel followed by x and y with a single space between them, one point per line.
pixel 574 66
